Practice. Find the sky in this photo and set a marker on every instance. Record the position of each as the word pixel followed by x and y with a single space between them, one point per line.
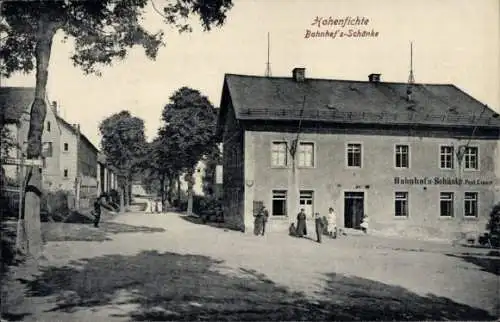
pixel 454 41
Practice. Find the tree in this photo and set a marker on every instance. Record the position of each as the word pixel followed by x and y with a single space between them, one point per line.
pixel 212 159
pixel 157 167
pixel 493 226
pixel 103 32
pixel 124 144
pixel 189 124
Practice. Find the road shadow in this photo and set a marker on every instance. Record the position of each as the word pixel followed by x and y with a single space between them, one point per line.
pixel 488 263
pixel 199 221
pixel 79 232
pixel 170 286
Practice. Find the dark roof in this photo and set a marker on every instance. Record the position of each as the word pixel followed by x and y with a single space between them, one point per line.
pixel 362 102
pixel 73 129
pixel 14 100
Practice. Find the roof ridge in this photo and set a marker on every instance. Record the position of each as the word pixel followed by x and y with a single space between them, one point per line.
pixel 337 80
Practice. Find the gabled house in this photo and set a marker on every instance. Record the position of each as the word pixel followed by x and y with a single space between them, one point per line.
pixel 69 158
pixel 78 163
pixel 418 159
pixel 15 104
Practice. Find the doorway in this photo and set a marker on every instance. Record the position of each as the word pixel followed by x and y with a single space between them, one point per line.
pixel 306 202
pixel 354 202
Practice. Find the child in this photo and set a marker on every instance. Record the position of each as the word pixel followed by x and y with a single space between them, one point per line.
pixel 332 223
pixel 292 231
pixel 364 223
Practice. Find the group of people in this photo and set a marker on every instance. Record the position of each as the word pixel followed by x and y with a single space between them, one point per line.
pixel 323 225
pixel 154 206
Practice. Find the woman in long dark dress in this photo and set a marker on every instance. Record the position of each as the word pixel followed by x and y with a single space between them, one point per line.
pixel 301 224
pixel 258 223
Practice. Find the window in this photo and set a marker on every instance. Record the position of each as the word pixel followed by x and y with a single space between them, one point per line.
pixel 471 158
pixel 446 157
pixel 401 204
pixel 279 154
pixel 48 126
pixel 65 173
pixel 470 204
pixel 47 149
pixel 306 154
pixel 446 204
pixel 402 156
pixel 279 203
pixel 306 202
pixel 66 147
pixel 354 155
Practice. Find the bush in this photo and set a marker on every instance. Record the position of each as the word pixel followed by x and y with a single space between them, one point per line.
pixel 209 208
pixel 55 206
pixel 7 247
pixel 493 227
pixel 114 197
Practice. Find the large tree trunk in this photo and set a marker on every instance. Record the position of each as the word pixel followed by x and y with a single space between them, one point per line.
pixel 178 189
pixel 170 189
pixel 122 198
pixel 162 190
pixel 30 238
pixel 129 191
pixel 190 184
pixel 125 195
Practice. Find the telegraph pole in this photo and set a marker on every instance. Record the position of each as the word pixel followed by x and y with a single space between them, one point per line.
pixel 268 64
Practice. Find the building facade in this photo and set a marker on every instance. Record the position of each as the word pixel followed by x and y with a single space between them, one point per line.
pixel 69 158
pixel 15 103
pixel 419 159
pixel 78 163
pixel 107 179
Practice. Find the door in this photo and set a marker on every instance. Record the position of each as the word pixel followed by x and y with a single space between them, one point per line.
pixel 306 202
pixel 353 209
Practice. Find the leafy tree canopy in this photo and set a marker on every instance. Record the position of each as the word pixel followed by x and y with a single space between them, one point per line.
pixel 189 126
pixel 103 30
pixel 123 141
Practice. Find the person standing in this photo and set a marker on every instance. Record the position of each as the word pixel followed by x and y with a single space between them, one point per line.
pixel 301 223
pixel 319 226
pixel 97 211
pixel 265 217
pixel 332 223
pixel 258 223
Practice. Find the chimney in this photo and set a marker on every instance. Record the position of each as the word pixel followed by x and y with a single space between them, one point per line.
pixel 299 74
pixel 374 78
pixel 54 107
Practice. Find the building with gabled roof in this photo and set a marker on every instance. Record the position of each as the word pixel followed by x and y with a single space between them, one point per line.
pixel 418 159
pixel 15 106
pixel 69 158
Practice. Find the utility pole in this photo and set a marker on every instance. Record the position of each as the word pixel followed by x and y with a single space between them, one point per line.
pixel 268 64
pixel 411 77
pixel 294 178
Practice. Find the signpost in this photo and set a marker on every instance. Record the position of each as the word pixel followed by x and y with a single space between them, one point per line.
pixel 25 162
pixel 22 163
